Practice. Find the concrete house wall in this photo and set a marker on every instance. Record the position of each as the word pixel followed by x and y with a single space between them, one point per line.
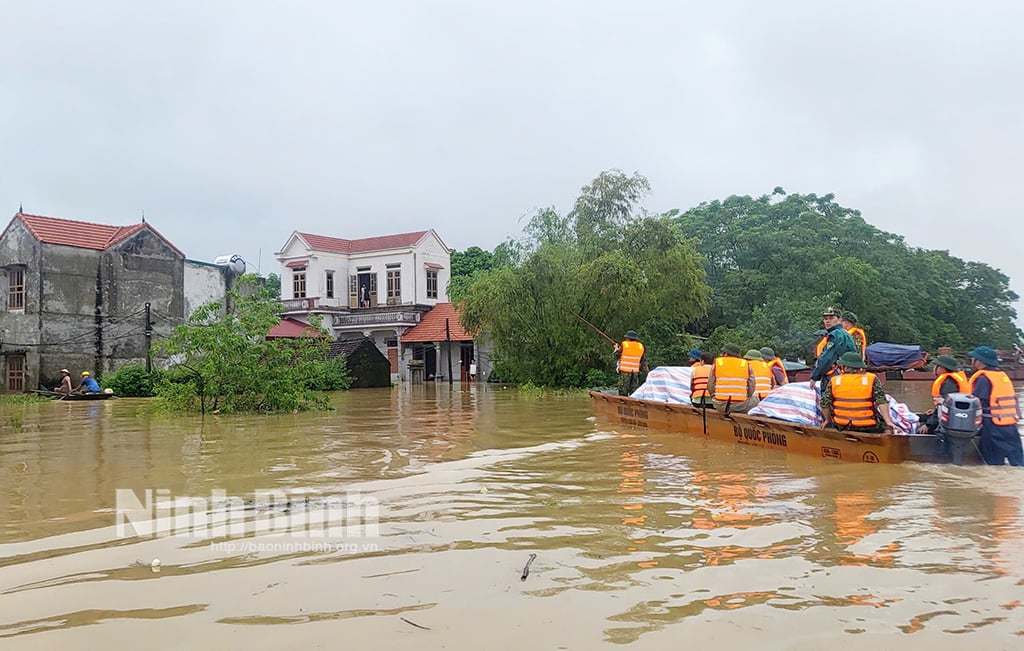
pixel 85 308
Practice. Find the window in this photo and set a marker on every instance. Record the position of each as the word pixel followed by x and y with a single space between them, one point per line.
pixel 299 282
pixel 394 285
pixel 16 288
pixel 330 285
pixel 16 373
pixel 431 283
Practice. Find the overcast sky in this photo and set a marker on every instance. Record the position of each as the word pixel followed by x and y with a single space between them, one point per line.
pixel 231 124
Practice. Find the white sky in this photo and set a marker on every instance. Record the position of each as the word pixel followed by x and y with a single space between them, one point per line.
pixel 233 123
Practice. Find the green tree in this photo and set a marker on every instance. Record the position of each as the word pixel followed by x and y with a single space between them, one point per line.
pixel 775 261
pixel 230 365
pixel 465 266
pixel 606 262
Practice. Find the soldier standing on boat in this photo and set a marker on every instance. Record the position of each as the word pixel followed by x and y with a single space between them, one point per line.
pixel 1000 440
pixel 837 342
pixel 630 355
pixel 860 338
pixel 854 399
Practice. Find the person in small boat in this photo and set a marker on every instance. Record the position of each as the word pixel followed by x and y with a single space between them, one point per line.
pixel 776 366
pixel 854 399
pixel 731 382
pixel 695 357
pixel 1000 440
pixel 65 387
pixel 89 384
pixel 860 338
pixel 763 381
pixel 699 394
pixel 948 379
pixel 630 356
pixel 837 342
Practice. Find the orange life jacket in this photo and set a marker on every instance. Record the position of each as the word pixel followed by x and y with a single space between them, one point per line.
pixel 854 331
pixel 962 384
pixel 820 348
pixel 699 381
pixel 762 378
pixel 632 353
pixel 1002 402
pixel 778 362
pixel 731 374
pixel 853 402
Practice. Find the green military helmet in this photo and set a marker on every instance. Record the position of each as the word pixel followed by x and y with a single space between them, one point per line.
pixel 852 360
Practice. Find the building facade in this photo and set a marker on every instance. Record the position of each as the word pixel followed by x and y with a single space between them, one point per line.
pixel 77 295
pixel 378 287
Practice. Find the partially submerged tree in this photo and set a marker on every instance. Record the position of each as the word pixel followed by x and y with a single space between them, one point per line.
pixel 606 262
pixel 225 362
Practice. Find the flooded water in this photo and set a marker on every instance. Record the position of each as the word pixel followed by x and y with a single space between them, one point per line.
pixel 639 539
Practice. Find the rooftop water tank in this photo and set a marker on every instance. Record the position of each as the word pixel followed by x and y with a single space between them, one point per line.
pixel 233 262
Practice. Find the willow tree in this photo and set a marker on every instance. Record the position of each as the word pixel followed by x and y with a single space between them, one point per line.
pixel 605 262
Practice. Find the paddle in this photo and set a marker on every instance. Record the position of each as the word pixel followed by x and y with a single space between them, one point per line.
pixel 596 329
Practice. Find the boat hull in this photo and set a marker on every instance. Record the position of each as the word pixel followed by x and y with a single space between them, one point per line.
pixel 763 432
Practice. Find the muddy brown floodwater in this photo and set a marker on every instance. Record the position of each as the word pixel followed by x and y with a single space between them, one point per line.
pixel 405 520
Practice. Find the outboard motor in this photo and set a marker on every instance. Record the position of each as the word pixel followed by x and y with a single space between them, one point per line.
pixel 959 422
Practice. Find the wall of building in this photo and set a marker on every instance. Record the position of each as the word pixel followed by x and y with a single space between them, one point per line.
pixel 19 329
pixel 412 265
pixel 204 283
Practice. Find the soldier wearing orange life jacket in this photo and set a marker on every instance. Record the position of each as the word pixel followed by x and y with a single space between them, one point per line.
pixel 731 382
pixel 854 399
pixel 860 338
pixel 630 355
pixel 776 366
pixel 1000 440
pixel 948 379
pixel 699 394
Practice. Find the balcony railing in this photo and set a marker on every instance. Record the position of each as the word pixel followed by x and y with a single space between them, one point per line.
pixel 375 317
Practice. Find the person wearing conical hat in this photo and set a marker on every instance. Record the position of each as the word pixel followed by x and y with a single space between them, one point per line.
pixel 1000 440
pixel 65 382
pixel 854 399
pixel 630 364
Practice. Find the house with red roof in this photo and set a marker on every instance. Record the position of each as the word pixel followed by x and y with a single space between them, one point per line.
pixel 76 295
pixel 380 287
pixel 375 286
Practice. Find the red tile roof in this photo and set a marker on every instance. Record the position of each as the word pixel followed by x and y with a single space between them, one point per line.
pixel 365 245
pixel 292 329
pixel 82 235
pixel 431 326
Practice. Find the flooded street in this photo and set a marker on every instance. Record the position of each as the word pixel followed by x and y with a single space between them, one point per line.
pixel 642 539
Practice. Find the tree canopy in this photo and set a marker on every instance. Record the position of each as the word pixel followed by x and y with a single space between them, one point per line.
pixel 754 271
pixel 223 360
pixel 775 261
pixel 604 261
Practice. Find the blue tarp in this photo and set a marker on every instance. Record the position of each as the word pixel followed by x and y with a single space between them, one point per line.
pixel 881 355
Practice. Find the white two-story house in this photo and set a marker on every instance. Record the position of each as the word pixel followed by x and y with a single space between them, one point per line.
pixel 377 286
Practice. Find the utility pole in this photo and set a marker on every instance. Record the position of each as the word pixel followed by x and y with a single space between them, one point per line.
pixel 149 342
pixel 448 338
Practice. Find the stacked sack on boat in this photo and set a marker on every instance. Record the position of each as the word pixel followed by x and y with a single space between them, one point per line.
pixel 666 384
pixel 795 402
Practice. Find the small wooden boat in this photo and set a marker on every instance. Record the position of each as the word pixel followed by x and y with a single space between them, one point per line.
pixel 75 396
pixel 764 432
